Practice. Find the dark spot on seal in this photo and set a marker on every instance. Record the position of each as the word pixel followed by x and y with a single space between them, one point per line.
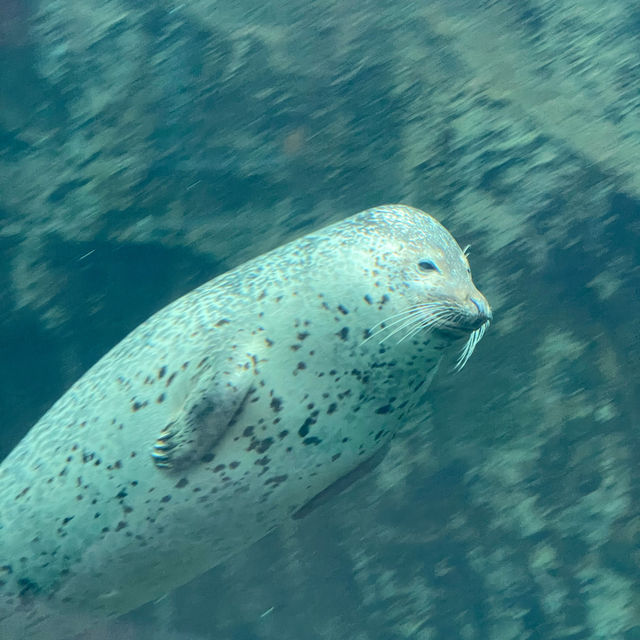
pixel 342 310
pixel 28 586
pixel 162 371
pixel 121 525
pixel 183 482
pixel 276 404
pixel 165 499
pixel 312 440
pixel 234 464
pixel 269 342
pixel 138 405
pixel 171 378
pixel 67 519
pixel 301 365
pixel 22 493
pixel 304 429
pixel 219 467
pixel 387 408
pixel 160 398
pixel 335 456
pixel 283 434
pixel 276 480
pixel 302 335
pixel 264 445
pixel 222 322
pixel 331 408
pixel 368 299
pixel 207 457
pixel 248 432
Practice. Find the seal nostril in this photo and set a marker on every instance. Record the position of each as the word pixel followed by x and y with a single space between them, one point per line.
pixel 483 308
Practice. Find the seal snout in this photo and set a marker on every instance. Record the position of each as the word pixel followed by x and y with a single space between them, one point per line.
pixel 477 312
pixel 484 310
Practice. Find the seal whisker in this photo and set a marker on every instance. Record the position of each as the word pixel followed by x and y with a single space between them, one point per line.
pixel 428 323
pixel 410 323
pixel 470 345
pixel 412 332
pixel 397 318
pixel 407 323
pixel 415 315
pixel 435 320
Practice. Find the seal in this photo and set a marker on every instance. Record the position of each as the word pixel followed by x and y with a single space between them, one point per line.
pixel 228 412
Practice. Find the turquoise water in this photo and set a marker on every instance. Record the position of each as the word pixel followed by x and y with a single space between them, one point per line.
pixel 145 148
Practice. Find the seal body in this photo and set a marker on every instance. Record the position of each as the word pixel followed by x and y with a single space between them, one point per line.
pixel 226 412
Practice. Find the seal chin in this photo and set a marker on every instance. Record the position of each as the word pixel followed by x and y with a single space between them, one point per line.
pixel 463 324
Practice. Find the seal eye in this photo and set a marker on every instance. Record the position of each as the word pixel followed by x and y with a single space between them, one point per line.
pixel 427 265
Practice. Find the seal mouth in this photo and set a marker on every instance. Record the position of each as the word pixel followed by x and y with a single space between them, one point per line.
pixel 442 317
pixel 468 319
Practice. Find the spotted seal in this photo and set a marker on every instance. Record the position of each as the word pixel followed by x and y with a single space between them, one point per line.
pixel 228 411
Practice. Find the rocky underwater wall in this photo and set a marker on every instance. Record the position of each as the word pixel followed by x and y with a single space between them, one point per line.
pixel 147 147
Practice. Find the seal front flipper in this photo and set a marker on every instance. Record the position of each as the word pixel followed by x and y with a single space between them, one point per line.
pixel 207 412
pixel 341 484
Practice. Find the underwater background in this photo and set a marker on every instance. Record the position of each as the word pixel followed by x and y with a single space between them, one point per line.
pixel 146 147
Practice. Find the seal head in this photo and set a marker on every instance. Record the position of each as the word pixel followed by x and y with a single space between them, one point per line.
pixel 439 292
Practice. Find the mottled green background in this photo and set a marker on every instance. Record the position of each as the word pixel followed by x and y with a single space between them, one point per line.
pixel 148 146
